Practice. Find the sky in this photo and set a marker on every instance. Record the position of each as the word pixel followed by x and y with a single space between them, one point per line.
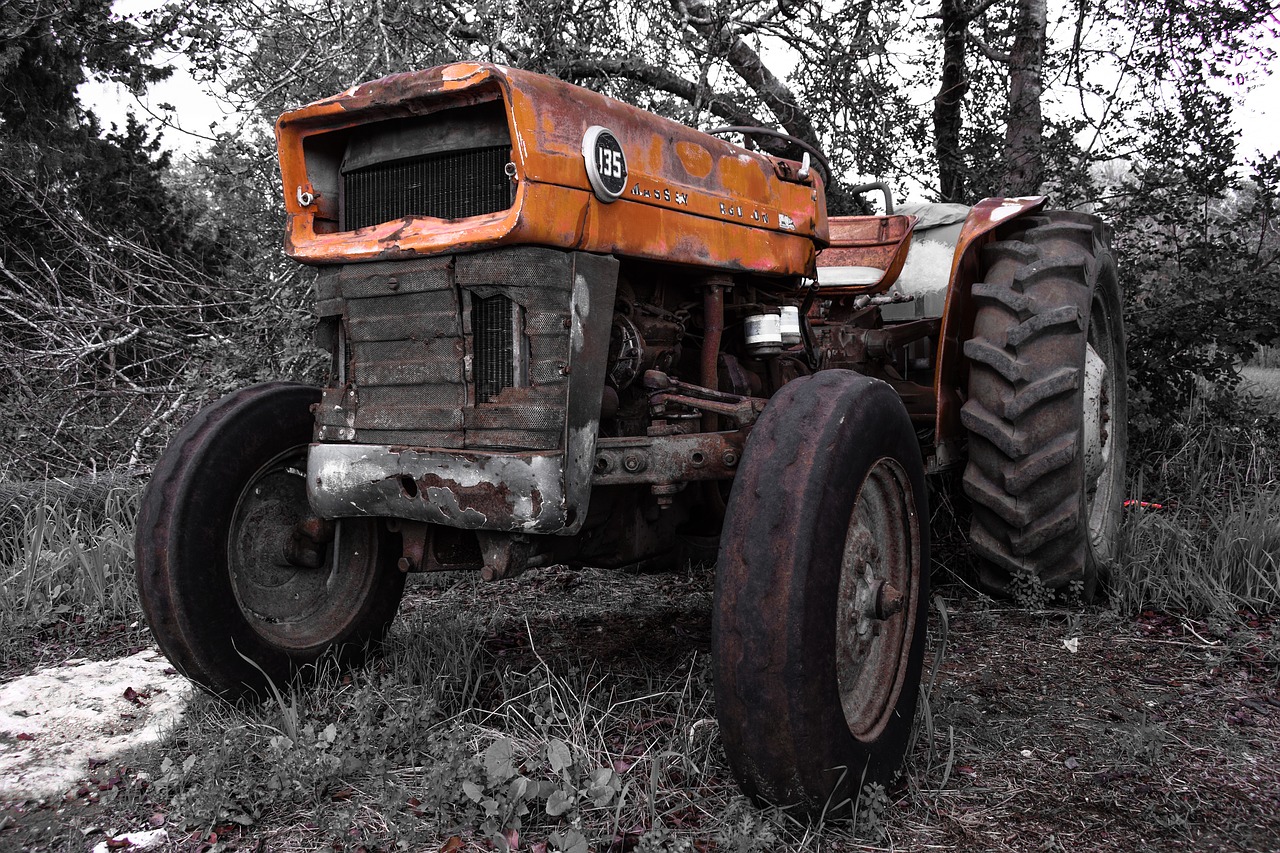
pixel 1257 111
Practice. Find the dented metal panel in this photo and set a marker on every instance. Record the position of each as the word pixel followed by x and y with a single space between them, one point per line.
pixel 689 198
pixel 477 491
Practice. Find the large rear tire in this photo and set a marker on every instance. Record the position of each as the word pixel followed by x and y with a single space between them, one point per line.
pixel 239 581
pixel 821 593
pixel 1047 408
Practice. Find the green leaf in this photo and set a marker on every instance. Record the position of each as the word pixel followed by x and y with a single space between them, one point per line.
pixel 604 784
pixel 498 761
pixel 569 841
pixel 472 790
pixel 559 803
pixel 558 755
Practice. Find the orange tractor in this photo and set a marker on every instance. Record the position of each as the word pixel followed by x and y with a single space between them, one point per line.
pixel 566 331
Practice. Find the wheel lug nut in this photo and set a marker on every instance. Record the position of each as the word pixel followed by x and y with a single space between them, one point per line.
pixel 888 601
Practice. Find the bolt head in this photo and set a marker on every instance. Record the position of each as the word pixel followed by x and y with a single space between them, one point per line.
pixel 889 601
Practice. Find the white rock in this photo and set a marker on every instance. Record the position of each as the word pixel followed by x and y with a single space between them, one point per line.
pixel 150 840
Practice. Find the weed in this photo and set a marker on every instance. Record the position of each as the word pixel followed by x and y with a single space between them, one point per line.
pixel 1212 545
pixel 1028 591
pixel 66 562
pixel 872 802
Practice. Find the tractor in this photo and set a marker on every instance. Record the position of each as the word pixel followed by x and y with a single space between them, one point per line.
pixel 565 331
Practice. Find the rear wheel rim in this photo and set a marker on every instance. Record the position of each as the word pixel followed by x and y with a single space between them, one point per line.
pixel 294 607
pixel 1100 396
pixel 876 607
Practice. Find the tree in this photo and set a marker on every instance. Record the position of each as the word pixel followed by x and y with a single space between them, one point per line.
pixel 698 61
pixel 105 282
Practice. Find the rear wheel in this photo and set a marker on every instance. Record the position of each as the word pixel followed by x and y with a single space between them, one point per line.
pixel 239 581
pixel 1046 411
pixel 821 591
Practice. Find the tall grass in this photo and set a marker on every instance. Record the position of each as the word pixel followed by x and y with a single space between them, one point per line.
pixel 1213 543
pixel 1266 357
pixel 66 560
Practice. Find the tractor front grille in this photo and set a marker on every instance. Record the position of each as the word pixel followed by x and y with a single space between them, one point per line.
pixel 496 345
pixel 449 185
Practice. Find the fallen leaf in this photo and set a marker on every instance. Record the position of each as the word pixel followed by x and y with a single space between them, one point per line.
pixel 26 736
pixel 1072 645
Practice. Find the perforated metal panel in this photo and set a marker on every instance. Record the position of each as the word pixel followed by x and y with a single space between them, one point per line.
pixel 450 185
pixel 494 345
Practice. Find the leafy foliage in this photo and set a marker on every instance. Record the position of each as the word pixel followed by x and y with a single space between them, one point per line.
pixel 107 275
pixel 1202 284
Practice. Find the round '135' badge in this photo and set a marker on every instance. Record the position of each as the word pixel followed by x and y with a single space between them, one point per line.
pixel 606 163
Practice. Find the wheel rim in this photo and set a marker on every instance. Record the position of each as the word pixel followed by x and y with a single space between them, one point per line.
pixel 292 606
pixel 1100 396
pixel 876 609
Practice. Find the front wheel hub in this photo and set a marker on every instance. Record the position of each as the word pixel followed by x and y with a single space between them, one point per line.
pixel 875 613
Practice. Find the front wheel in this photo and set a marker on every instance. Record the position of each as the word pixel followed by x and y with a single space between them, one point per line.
pixel 239 581
pixel 821 592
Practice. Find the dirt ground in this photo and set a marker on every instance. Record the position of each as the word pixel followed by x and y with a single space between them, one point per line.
pixel 1049 731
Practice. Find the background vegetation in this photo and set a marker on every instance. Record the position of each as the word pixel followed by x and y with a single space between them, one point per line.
pixel 134 288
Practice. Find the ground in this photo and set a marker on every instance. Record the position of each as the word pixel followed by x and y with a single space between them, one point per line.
pixel 1047 730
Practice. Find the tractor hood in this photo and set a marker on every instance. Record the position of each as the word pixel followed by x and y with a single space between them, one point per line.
pixel 471 156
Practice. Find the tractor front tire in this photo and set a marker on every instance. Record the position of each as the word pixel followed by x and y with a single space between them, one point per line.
pixel 1046 411
pixel 240 583
pixel 821 593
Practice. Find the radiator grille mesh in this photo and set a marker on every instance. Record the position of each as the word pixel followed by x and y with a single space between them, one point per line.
pixel 451 185
pixel 494 345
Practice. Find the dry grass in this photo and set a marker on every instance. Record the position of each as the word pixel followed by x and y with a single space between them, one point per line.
pixel 1264 382
pixel 1266 357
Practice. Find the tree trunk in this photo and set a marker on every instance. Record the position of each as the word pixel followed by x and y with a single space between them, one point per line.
pixel 948 118
pixel 1024 136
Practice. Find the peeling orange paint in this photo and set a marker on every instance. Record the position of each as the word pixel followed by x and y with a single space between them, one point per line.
pixel 714 204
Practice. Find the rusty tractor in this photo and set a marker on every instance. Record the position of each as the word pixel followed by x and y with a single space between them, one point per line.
pixel 566 331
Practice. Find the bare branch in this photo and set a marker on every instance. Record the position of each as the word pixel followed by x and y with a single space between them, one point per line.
pixel 987 50
pixel 660 79
pixel 746 62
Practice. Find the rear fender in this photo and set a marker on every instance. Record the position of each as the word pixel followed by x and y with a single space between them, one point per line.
pixel 951 371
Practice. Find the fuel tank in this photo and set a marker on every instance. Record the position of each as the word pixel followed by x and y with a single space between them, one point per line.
pixel 469 156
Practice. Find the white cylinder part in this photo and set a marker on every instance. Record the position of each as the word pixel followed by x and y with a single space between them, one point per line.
pixel 791 325
pixel 763 333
